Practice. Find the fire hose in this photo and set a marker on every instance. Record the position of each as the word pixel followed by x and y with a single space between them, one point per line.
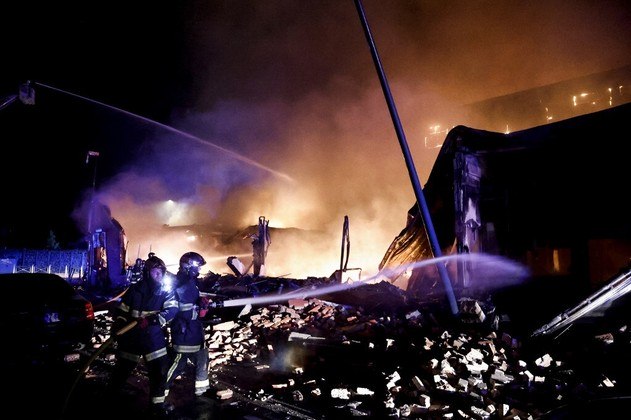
pixel 96 354
pixel 216 300
pixel 107 344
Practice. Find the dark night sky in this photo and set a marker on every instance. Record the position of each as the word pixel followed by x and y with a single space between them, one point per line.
pixel 288 84
pixel 121 53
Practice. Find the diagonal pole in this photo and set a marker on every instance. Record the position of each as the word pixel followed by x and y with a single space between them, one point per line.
pixel 418 190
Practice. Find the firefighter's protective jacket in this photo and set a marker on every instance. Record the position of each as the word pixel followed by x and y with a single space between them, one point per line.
pixel 157 303
pixel 187 330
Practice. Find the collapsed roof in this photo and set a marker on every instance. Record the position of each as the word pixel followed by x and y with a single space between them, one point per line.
pixel 551 197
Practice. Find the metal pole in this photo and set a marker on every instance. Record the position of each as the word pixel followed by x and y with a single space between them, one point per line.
pixel 90 275
pixel 92 194
pixel 418 191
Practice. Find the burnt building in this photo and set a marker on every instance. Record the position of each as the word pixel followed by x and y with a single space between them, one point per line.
pixel 551 197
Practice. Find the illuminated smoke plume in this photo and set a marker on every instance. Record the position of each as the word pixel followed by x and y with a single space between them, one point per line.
pixel 291 85
pixel 337 169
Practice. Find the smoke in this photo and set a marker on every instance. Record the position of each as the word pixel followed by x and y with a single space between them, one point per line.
pixel 291 85
pixel 338 167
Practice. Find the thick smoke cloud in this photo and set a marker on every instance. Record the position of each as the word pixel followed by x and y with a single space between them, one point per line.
pixel 291 86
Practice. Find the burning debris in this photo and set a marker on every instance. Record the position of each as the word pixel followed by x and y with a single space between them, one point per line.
pixel 373 351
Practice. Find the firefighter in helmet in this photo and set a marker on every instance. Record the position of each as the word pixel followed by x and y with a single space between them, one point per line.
pixel 151 303
pixel 135 272
pixel 187 329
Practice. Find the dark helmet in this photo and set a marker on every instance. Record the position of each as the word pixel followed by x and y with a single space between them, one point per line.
pixel 191 261
pixel 153 262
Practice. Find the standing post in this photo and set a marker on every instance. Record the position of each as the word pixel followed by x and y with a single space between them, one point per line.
pixel 91 260
pixel 93 191
pixel 418 191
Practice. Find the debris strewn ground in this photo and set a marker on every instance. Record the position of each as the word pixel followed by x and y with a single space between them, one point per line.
pixel 385 355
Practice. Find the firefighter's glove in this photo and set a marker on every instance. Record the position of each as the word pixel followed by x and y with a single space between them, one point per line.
pixel 146 321
pixel 204 302
pixel 143 323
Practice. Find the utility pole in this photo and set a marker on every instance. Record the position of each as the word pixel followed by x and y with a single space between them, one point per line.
pixel 418 190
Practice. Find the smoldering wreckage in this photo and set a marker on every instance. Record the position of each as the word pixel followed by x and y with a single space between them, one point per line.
pixel 549 342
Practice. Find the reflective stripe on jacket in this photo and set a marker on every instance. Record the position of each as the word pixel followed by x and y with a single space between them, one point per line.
pixel 141 300
pixel 187 331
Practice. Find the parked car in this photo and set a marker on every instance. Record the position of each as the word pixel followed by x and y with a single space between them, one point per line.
pixel 42 313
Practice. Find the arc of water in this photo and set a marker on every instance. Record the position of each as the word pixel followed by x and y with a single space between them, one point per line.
pixel 510 268
pixel 179 132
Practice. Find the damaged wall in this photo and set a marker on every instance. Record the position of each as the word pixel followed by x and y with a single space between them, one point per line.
pixel 551 197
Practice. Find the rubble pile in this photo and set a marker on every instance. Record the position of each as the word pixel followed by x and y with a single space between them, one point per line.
pixel 373 352
pixel 384 365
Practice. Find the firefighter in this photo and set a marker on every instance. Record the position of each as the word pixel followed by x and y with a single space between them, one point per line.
pixel 151 303
pixel 187 329
pixel 136 271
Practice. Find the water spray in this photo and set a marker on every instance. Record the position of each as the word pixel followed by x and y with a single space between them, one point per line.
pixel 489 267
pixel 199 140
